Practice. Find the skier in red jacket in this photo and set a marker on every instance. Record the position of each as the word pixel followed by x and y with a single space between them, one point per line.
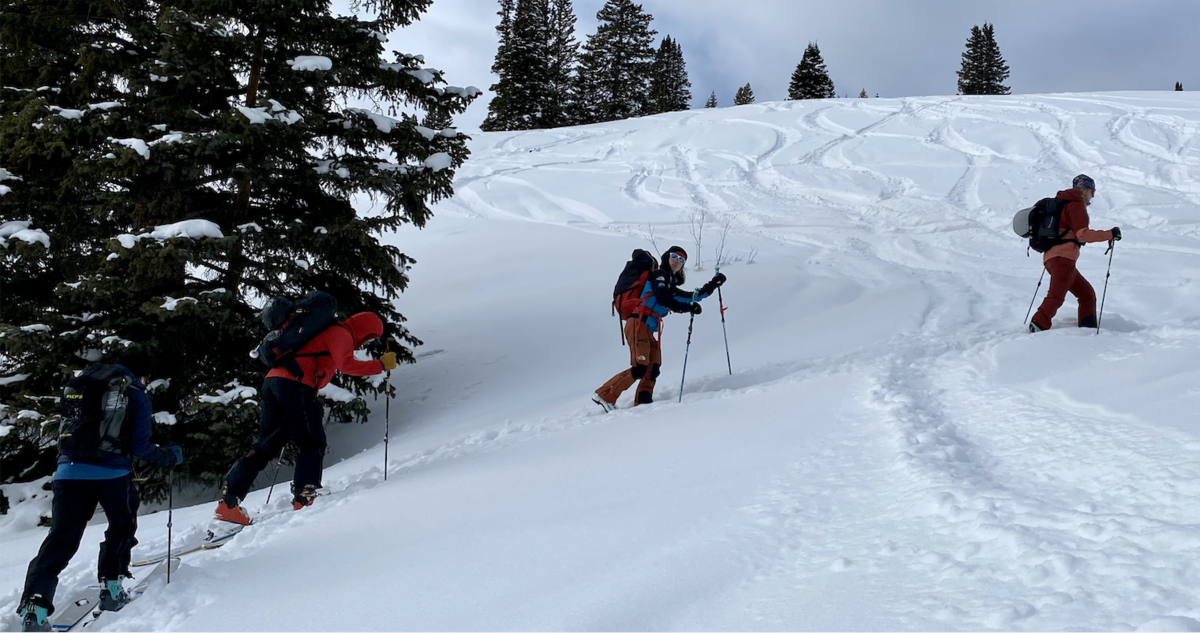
pixel 291 411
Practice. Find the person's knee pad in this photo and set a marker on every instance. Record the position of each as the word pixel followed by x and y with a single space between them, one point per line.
pixel 638 371
pixel 654 371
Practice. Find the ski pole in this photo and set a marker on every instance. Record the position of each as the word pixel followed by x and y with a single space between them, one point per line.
pixel 721 303
pixel 1035 293
pixel 275 477
pixel 387 418
pixel 170 516
pixel 1111 246
pixel 687 349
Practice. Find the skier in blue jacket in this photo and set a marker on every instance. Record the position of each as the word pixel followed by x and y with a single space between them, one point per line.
pixel 79 486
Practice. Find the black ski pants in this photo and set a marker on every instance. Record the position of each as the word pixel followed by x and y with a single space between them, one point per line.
pixel 73 506
pixel 290 411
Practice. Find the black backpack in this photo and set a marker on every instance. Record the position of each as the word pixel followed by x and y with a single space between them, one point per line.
pixel 93 414
pixel 1041 225
pixel 292 326
pixel 627 292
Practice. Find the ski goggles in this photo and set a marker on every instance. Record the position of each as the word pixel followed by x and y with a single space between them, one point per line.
pixel 679 258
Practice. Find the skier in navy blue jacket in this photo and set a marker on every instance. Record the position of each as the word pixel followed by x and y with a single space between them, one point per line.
pixel 659 296
pixel 78 487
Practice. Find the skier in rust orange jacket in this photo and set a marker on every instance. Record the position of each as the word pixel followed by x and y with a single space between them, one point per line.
pixel 1060 260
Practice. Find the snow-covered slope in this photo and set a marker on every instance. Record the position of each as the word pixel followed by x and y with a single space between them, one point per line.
pixel 892 451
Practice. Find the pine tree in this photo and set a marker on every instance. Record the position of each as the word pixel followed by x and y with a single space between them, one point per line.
pixel 744 96
pixel 810 80
pixel 185 162
pixel 669 85
pixel 1178 86
pixel 863 94
pixel 497 117
pixel 524 88
pixel 712 100
pixel 613 81
pixel 562 55
pixel 983 69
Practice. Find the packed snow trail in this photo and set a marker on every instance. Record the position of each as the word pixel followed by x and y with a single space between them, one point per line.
pixel 892 451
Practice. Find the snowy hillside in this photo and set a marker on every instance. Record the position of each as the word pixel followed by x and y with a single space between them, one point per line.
pixel 892 451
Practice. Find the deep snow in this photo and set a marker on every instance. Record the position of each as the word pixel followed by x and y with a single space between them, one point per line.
pixel 892 451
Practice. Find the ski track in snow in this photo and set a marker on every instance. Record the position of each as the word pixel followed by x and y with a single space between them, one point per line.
pixel 955 477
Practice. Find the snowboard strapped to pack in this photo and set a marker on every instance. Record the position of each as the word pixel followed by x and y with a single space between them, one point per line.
pixel 293 325
pixel 93 414
pixel 1040 223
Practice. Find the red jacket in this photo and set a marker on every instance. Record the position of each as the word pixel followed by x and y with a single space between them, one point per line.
pixel 1074 219
pixel 335 347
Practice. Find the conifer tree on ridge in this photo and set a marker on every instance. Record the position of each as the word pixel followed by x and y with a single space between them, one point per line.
pixel 712 100
pixel 811 80
pixel 563 56
pixel 744 96
pixel 669 85
pixel 613 81
pixel 983 70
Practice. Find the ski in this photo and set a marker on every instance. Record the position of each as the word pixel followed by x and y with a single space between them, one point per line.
pixel 212 541
pixel 86 601
pixel 219 533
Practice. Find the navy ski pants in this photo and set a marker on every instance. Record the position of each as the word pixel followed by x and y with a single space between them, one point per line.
pixel 290 411
pixel 73 506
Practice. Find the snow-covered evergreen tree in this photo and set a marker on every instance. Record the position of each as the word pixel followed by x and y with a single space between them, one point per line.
pixel 185 162
pixel 615 66
pixel 811 80
pixel 523 92
pixel 983 70
pixel 862 94
pixel 711 102
pixel 669 85
pixel 1178 86
pixel 563 56
pixel 497 117
pixel 535 62
pixel 744 96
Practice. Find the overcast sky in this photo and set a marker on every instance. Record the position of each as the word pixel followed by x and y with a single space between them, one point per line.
pixel 891 47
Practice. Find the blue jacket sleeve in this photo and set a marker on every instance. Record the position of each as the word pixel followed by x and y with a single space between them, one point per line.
pixel 140 412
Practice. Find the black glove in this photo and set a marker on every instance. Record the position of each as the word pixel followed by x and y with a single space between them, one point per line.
pixel 712 285
pixel 1116 231
pixel 695 308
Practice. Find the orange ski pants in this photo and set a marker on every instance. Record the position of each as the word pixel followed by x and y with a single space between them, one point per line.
pixel 645 359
